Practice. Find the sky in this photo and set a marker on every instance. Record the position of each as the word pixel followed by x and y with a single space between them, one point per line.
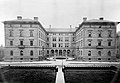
pixel 58 13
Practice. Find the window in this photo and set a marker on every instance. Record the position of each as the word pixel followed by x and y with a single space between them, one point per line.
pixel 31 33
pixel 54 44
pixel 109 33
pixel 99 58
pixel 109 59
pixel 11 43
pixel 47 51
pixel 99 43
pixel 21 42
pixel 89 43
pixel 60 39
pixel 21 58
pixel 21 53
pixel 60 44
pixel 89 53
pixel 31 43
pixel 99 33
pixel 89 33
pixel 109 43
pixel 66 38
pixel 31 58
pixel 66 44
pixel 89 58
pixel 39 52
pixel 109 53
pixel 11 33
pixel 54 33
pixel 47 39
pixel 31 53
pixel 54 38
pixel 99 53
pixel 21 33
pixel 39 34
pixel 11 53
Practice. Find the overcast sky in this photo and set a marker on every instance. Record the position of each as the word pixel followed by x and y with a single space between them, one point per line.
pixel 58 13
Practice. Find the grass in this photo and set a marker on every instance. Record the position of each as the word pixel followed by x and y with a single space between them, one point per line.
pixel 88 76
pixel 30 76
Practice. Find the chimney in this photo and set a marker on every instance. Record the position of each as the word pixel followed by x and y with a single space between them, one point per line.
pixel 36 18
pixel 50 27
pixel 84 19
pixel 101 18
pixel 19 17
pixel 70 27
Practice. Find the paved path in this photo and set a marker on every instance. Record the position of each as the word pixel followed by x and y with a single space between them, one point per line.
pixel 60 75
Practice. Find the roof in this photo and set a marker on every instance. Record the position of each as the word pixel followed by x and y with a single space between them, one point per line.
pixel 97 22
pixel 24 21
pixel 21 21
pixel 60 29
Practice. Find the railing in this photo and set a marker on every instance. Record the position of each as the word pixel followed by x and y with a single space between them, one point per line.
pixel 99 47
pixel 21 46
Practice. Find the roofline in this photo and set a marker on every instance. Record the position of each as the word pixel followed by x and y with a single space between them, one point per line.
pixel 94 22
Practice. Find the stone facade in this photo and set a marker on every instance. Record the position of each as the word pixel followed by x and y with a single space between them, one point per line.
pixel 1 53
pixel 27 40
pixel 96 40
pixel 24 39
pixel 61 41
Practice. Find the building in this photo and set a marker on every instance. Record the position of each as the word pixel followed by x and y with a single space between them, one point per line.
pixel 28 40
pixel 24 39
pixel 118 45
pixel 60 41
pixel 1 53
pixel 96 40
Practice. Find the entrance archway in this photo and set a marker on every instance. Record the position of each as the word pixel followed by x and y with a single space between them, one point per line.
pixel 60 52
pixel 52 52
pixel 64 52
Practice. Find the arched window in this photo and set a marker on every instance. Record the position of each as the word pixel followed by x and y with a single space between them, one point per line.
pixel 21 53
pixel 11 53
pixel 99 53
pixel 31 52
pixel 109 53
pixel 89 53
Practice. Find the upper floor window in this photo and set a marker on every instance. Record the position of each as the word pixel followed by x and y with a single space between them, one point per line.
pixel 47 39
pixel 31 52
pixel 60 44
pixel 21 33
pixel 60 39
pixel 21 42
pixel 99 33
pixel 89 33
pixel 39 34
pixel 11 43
pixel 109 33
pixel 31 33
pixel 99 53
pixel 54 44
pixel 66 44
pixel 89 53
pixel 54 38
pixel 89 42
pixel 109 53
pixel 66 38
pixel 21 53
pixel 31 42
pixel 109 43
pixel 11 33
pixel 11 53
pixel 99 42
